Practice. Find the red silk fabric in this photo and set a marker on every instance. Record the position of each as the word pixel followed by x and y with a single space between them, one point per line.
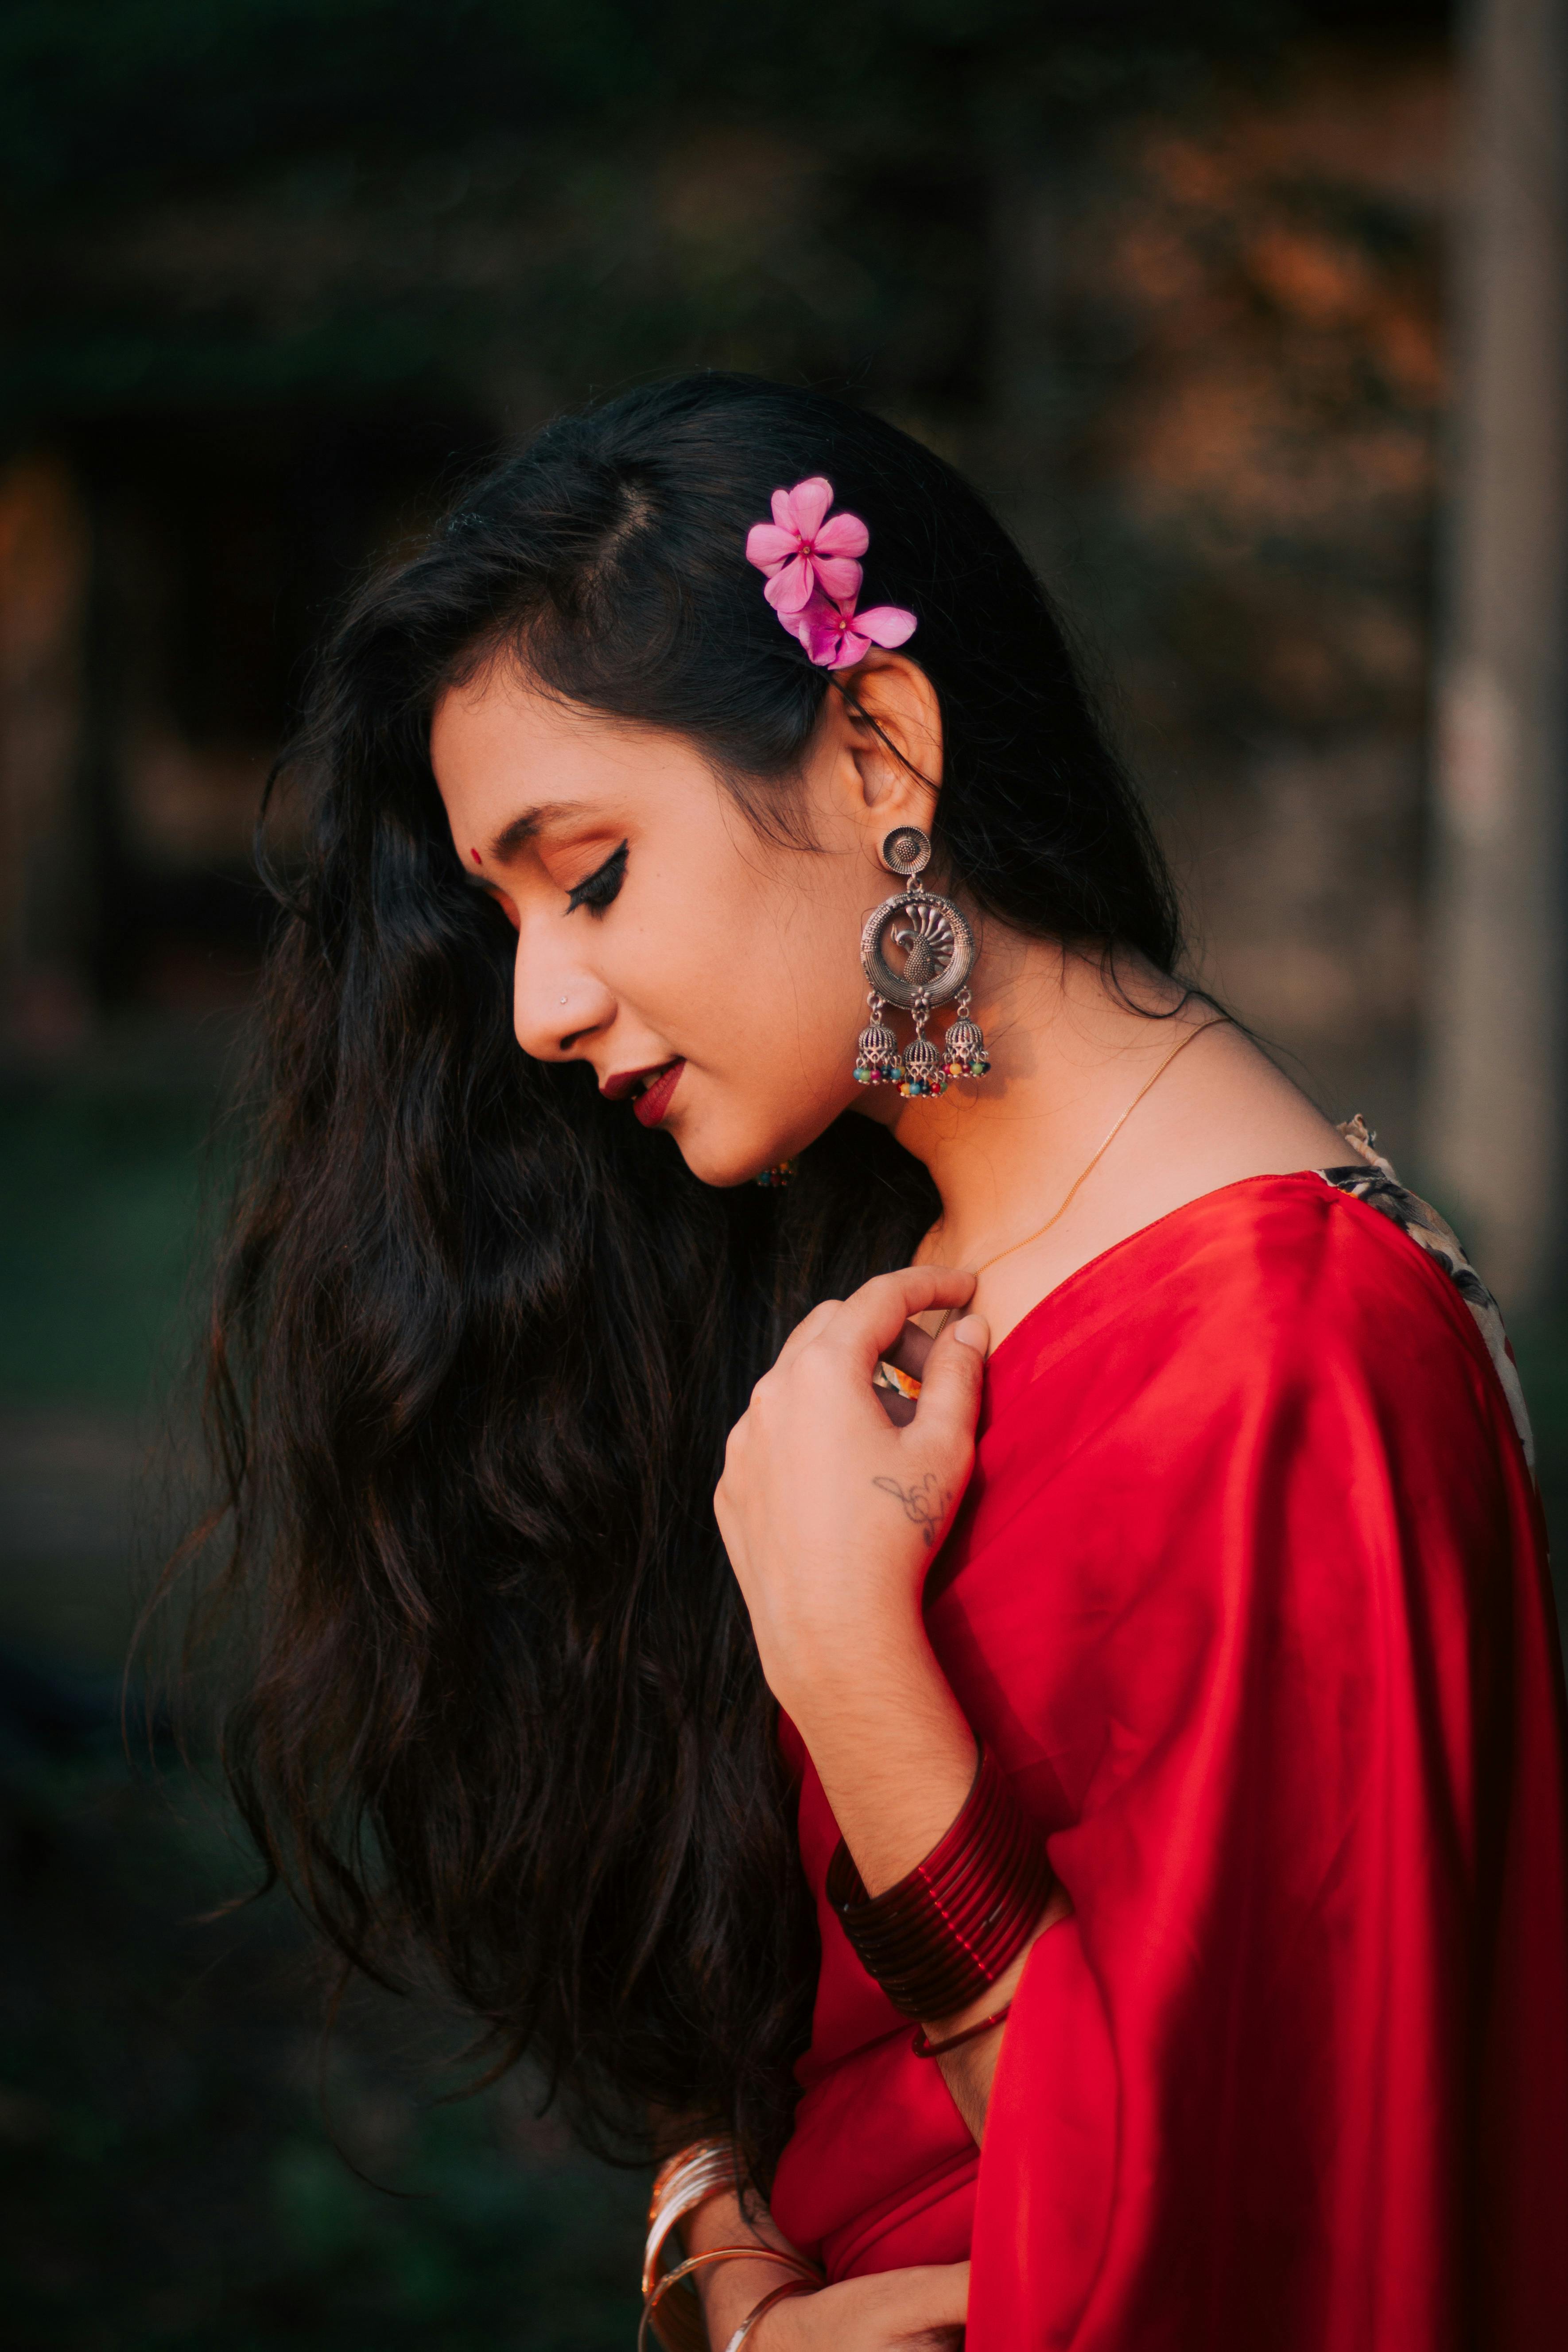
pixel 1249 1595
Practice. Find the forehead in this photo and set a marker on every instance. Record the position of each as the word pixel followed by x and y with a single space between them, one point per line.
pixel 497 736
pixel 499 720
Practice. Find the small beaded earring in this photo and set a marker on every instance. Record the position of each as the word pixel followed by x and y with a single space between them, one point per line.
pixel 773 1180
pixel 964 1053
pixel 876 1054
pixel 938 948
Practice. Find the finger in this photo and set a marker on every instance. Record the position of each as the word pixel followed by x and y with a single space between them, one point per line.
pixel 808 1327
pixel 955 1373
pixel 868 1323
pixel 956 2290
pixel 937 2295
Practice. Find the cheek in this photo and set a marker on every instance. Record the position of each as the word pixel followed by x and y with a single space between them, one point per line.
pixel 686 958
pixel 789 982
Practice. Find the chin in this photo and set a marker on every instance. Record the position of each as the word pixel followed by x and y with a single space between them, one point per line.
pixel 725 1161
pixel 730 1137
pixel 724 1170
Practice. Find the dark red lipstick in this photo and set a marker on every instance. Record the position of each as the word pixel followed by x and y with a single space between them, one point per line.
pixel 653 1089
pixel 654 1099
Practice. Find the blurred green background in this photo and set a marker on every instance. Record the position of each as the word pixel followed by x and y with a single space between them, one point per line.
pixel 184 2158
pixel 1177 291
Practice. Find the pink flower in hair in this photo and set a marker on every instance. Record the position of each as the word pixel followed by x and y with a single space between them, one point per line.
pixel 836 636
pixel 804 548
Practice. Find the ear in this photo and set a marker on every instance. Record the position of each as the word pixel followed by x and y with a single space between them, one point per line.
pixel 892 722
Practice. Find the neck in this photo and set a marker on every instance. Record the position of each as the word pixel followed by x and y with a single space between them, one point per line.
pixel 1069 1051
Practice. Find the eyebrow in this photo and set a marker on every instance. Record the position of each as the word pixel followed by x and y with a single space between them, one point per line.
pixel 511 838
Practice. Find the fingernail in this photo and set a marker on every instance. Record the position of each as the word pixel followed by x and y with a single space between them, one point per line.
pixel 974 1331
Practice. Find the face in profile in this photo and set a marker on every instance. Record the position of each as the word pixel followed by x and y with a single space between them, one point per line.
pixel 705 969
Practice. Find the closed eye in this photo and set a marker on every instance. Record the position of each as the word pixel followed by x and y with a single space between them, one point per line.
pixel 597 889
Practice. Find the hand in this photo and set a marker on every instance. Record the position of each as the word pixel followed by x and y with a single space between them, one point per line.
pixel 831 1515
pixel 895 2311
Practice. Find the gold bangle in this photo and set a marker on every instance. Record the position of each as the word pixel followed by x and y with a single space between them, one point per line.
pixel 778 2295
pixel 719 2152
pixel 687 2318
pixel 681 2185
pixel 686 2182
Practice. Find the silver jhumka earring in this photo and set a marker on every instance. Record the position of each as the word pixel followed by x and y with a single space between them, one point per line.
pixel 937 949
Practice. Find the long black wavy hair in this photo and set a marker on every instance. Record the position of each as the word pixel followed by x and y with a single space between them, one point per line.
pixel 479 1338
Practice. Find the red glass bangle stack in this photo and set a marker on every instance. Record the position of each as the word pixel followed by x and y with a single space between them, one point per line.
pixel 958 1920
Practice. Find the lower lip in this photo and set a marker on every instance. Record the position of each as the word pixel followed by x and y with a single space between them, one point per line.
pixel 651 1106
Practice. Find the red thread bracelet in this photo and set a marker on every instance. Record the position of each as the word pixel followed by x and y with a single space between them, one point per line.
pixel 924 2049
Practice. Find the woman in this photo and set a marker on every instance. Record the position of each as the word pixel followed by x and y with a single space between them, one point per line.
pixel 1124 1540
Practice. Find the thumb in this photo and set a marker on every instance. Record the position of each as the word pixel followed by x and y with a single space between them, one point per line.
pixel 951 1380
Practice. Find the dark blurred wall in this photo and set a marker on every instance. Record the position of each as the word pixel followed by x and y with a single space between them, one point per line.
pixel 1175 294
pixel 1222 440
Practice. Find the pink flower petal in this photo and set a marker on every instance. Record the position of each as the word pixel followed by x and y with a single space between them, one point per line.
pixel 833 633
pixel 843 534
pixel 852 647
pixel 791 589
pixel 809 502
pixel 885 625
pixel 817 627
pixel 839 576
pixel 783 512
pixel 767 546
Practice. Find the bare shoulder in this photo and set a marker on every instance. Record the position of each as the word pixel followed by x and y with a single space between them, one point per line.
pixel 1223 1112
pixel 1229 1112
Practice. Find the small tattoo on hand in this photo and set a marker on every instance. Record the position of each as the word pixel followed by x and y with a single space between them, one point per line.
pixel 924 1504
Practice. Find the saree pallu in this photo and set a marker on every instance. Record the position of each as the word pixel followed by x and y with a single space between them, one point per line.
pixel 1248 1596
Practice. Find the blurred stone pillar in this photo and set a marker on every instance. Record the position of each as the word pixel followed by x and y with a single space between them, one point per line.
pixel 44 886
pixel 1495 1122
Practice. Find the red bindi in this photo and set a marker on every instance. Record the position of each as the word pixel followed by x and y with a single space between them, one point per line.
pixel 475 856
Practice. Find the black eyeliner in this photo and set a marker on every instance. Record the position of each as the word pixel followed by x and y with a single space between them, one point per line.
pixel 605 879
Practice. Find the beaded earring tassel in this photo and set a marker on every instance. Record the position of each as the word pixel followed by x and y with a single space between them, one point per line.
pixel 876 1053
pixel 923 1070
pixel 964 1046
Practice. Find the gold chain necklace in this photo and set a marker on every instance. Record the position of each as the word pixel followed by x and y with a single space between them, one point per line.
pixel 1088 1170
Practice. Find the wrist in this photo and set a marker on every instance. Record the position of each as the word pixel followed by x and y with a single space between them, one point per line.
pixel 887 1677
pixel 730 2293
pixel 896 1759
pixel 766 2312
pixel 829 1663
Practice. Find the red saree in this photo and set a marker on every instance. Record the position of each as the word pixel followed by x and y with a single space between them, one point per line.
pixel 1248 1596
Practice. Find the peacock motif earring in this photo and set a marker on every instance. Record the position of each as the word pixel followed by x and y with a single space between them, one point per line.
pixel 935 949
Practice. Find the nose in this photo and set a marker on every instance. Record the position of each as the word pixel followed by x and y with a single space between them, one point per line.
pixel 557 1001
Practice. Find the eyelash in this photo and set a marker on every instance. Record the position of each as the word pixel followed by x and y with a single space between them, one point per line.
pixel 598 890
